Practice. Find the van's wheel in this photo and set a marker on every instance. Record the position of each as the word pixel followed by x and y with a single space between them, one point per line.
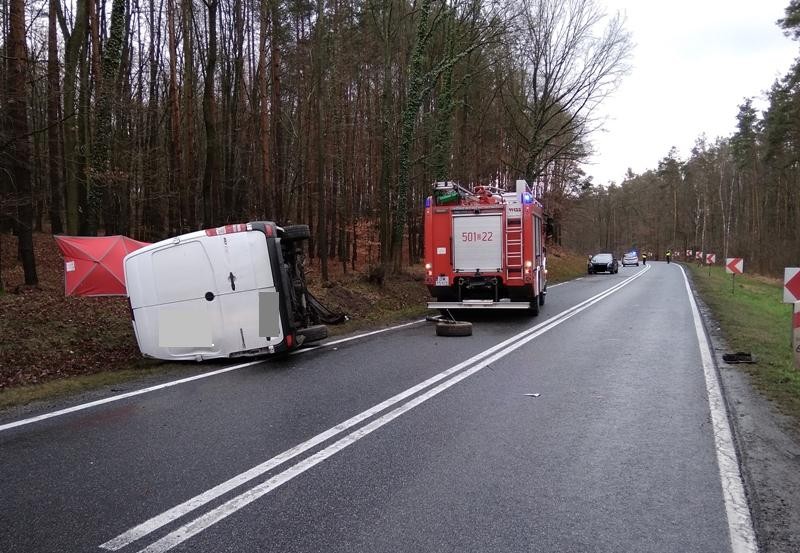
pixel 454 328
pixel 313 333
pixel 296 232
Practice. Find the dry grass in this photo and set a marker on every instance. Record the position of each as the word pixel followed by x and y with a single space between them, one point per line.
pixel 564 265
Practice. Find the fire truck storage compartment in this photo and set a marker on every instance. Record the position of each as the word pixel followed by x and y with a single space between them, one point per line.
pixel 477 242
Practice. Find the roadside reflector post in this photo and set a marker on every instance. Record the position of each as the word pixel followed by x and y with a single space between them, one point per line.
pixel 791 294
pixel 734 266
pixel 710 260
pixel 796 335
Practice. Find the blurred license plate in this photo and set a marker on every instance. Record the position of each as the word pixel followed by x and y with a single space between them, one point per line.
pixel 442 281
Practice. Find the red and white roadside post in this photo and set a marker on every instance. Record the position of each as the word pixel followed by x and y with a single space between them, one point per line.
pixel 734 266
pixel 791 294
pixel 711 259
pixel 796 334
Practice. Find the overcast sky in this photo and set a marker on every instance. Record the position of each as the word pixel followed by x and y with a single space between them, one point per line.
pixel 694 62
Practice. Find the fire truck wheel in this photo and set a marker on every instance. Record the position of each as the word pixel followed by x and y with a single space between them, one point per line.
pixel 542 296
pixel 296 232
pixel 534 307
pixel 454 328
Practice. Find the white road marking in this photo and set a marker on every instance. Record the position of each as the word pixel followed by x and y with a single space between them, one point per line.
pixel 212 517
pixel 83 406
pixel 172 383
pixel 740 525
pixel 356 337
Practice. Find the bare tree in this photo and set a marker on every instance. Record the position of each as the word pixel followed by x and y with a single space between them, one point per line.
pixel 572 56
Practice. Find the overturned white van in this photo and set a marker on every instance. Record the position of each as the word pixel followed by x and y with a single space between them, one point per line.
pixel 232 291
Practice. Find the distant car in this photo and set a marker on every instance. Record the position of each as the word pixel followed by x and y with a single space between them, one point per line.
pixel 603 263
pixel 630 259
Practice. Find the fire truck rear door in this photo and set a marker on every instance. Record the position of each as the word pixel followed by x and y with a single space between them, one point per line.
pixel 477 242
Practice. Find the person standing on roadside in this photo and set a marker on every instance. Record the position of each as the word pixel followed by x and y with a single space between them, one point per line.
pixel 669 255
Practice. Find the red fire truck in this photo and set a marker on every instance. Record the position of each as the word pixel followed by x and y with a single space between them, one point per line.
pixel 484 248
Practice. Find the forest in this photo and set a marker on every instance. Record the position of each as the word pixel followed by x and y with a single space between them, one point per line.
pixel 151 118
pixel 735 196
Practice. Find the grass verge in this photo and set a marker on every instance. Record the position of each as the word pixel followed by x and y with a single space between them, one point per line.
pixel 753 319
pixel 563 265
pixel 53 389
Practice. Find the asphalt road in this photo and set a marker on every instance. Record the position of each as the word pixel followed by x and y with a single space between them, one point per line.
pixel 590 433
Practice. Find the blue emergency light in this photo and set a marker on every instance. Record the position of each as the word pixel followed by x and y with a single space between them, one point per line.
pixel 527 198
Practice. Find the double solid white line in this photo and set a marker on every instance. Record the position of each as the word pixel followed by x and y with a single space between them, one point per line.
pixel 434 385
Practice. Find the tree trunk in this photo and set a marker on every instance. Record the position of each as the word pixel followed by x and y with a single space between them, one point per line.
pixel 176 184
pixel 74 42
pixel 278 169
pixel 112 58
pixel 265 180
pixel 19 156
pixel 444 112
pixel 189 210
pixel 322 213
pixel 83 144
pixel 385 232
pixel 413 103
pixel 211 174
pixel 54 157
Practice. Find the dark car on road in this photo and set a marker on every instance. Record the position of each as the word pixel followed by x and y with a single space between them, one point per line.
pixel 603 263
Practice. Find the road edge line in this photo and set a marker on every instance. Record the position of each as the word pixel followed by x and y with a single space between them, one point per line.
pixel 110 399
pixel 737 509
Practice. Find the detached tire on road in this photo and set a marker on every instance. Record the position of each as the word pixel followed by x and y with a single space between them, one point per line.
pixel 296 232
pixel 454 328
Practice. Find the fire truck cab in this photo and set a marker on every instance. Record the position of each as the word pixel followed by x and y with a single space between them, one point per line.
pixel 484 248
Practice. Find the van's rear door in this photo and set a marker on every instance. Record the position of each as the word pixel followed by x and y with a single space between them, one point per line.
pixel 247 294
pixel 171 289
